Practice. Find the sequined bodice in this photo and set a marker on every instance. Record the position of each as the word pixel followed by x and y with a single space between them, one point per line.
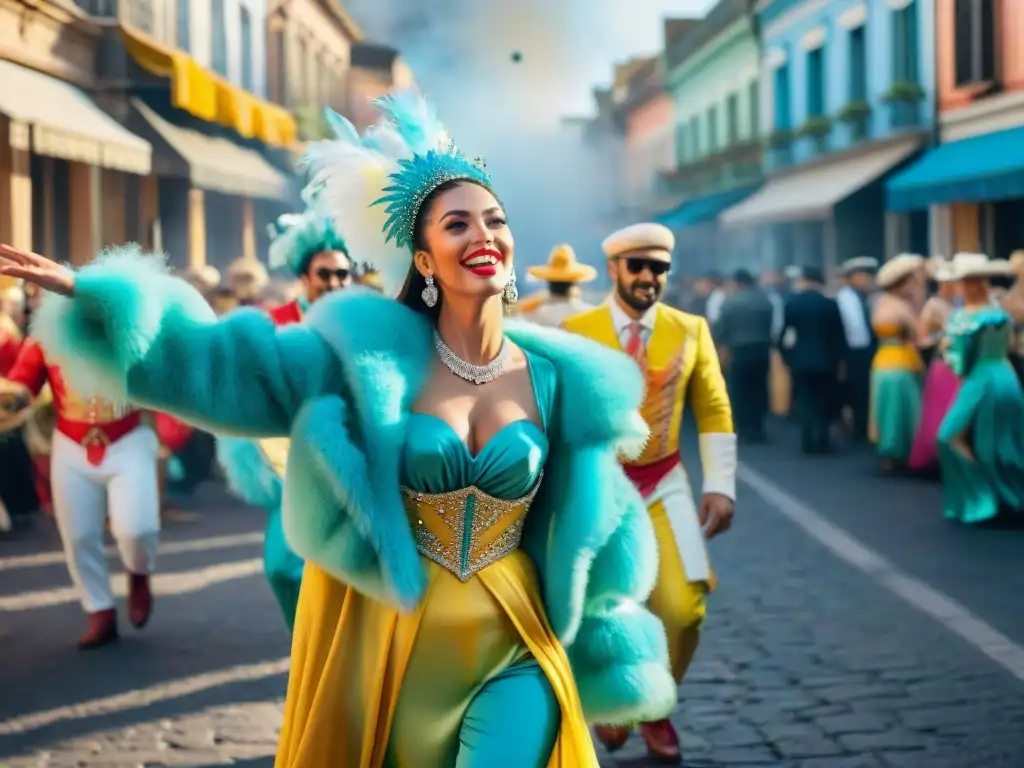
pixel 468 511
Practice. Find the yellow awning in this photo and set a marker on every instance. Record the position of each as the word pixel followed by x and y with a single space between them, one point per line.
pixel 210 97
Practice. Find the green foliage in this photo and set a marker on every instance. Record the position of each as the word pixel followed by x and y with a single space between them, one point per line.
pixel 903 91
pixel 815 126
pixel 779 138
pixel 854 111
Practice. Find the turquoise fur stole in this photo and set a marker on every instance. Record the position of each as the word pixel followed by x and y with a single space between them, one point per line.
pixel 342 385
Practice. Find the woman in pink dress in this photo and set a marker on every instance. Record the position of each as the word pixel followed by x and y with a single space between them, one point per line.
pixel 941 386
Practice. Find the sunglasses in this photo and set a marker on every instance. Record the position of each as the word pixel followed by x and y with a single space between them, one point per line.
pixel 326 274
pixel 636 266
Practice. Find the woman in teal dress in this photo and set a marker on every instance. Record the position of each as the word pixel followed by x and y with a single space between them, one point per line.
pixel 981 440
pixel 897 369
pixel 476 560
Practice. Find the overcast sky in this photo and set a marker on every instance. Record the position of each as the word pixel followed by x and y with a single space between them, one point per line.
pixel 570 44
pixel 552 185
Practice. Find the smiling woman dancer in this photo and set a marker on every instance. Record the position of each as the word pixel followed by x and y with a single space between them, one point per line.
pixel 476 558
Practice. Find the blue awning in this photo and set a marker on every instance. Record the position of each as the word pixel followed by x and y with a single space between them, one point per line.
pixel 704 209
pixel 980 169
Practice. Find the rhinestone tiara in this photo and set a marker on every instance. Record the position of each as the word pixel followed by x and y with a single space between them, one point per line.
pixel 413 182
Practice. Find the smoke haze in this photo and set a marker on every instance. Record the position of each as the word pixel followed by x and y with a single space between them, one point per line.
pixel 555 189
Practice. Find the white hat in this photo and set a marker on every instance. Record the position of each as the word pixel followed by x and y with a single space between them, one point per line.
pixel 897 268
pixel 859 264
pixel 654 240
pixel 979 265
pixel 941 269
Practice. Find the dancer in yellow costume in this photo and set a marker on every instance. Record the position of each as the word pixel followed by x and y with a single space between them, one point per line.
pixel 476 560
pixel 678 357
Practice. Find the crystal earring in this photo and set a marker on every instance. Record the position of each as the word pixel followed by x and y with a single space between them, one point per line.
pixel 429 294
pixel 510 293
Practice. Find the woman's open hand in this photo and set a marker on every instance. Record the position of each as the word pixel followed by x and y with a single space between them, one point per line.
pixel 36 269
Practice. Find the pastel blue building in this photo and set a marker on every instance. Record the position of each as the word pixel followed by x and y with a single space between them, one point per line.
pixel 848 96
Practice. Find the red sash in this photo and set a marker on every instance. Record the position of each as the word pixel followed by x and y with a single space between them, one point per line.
pixel 647 476
pixel 95 438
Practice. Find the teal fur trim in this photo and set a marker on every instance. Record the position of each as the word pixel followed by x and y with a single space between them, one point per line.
pixel 133 333
pixel 343 385
pixel 621 666
pixel 250 476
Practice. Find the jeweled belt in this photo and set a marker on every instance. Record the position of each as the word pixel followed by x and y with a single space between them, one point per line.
pixel 464 531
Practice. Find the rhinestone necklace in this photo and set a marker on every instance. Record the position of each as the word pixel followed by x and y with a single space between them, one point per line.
pixel 477 374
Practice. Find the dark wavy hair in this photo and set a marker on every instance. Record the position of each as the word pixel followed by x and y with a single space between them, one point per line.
pixel 412 292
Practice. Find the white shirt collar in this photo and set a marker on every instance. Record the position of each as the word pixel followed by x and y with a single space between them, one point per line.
pixel 622 321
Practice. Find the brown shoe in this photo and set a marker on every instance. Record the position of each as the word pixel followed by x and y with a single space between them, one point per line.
pixel 140 599
pixel 662 741
pixel 102 630
pixel 612 736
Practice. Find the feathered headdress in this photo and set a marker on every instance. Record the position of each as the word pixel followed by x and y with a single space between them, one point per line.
pixel 297 237
pixel 373 186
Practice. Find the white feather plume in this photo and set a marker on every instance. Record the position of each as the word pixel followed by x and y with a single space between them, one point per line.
pixel 347 179
pixel 350 173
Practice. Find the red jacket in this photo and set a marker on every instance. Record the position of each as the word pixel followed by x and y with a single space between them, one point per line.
pixel 286 314
pixel 93 423
pixel 10 344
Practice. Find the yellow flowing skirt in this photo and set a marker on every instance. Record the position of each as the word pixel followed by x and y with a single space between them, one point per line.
pixel 372 687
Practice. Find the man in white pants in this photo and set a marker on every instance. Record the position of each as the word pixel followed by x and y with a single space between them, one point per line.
pixel 103 461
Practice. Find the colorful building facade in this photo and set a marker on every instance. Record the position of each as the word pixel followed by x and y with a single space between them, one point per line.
pixel 67 168
pixel 713 78
pixel 641 95
pixel 972 184
pixel 190 77
pixel 309 59
pixel 848 93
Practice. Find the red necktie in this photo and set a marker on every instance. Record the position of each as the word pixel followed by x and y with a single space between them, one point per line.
pixel 635 345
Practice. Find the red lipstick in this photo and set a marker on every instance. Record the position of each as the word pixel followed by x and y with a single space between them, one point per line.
pixel 483 262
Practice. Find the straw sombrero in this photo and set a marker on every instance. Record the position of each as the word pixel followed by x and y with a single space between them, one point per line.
pixel 897 268
pixel 562 267
pixel 978 265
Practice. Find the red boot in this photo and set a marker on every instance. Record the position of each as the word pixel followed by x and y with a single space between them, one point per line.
pixel 140 599
pixel 612 736
pixel 102 630
pixel 662 740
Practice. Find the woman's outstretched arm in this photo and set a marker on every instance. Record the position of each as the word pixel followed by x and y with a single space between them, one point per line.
pixel 124 328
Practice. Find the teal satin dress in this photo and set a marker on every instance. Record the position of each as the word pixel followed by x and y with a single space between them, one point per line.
pixel 987 417
pixel 471 695
pixel 282 567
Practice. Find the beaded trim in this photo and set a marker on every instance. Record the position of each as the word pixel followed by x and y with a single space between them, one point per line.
pixel 459 550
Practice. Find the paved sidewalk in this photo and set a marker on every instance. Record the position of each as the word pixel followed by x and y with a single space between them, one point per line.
pixel 805 662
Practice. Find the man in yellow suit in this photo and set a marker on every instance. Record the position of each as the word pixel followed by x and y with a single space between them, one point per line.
pixel 679 360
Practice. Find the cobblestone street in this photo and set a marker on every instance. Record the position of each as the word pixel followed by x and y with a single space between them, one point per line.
pixel 807 659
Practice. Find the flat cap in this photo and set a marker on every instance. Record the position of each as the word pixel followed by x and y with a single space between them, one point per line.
pixel 654 241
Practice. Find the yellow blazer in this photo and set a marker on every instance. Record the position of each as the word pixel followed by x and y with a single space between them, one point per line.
pixel 682 369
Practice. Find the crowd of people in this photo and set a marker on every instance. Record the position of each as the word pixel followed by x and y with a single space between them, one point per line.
pixel 438 475
pixel 81 460
pixel 921 357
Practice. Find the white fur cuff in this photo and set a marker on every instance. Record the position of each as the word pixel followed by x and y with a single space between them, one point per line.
pixel 718 460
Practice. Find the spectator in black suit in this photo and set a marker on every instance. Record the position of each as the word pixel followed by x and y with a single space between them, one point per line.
pixel 813 344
